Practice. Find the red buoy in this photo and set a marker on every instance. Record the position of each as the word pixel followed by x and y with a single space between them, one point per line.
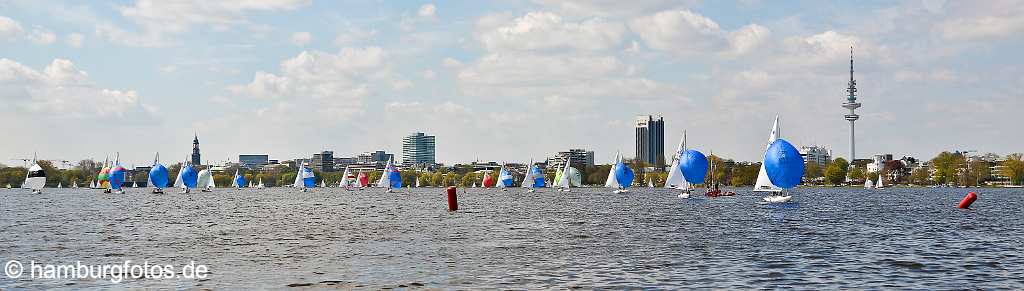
pixel 964 204
pixel 453 201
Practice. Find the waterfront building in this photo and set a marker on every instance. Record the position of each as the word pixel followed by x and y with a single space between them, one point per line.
pixel 650 139
pixel 878 162
pixel 253 161
pixel 341 162
pixel 323 161
pixel 852 104
pixel 816 154
pixel 195 151
pixel 418 149
pixel 373 157
pixel 581 159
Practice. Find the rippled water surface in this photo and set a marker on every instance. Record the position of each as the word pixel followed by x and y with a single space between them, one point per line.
pixel 589 238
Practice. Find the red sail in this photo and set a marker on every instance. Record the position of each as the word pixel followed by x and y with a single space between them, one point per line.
pixel 363 180
pixel 488 181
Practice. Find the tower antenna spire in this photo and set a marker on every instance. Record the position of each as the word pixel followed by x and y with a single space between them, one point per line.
pixel 852 104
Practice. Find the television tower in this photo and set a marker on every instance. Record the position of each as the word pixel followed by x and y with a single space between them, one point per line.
pixel 851 103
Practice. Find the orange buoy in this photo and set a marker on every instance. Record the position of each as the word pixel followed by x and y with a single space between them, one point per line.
pixel 964 204
pixel 453 201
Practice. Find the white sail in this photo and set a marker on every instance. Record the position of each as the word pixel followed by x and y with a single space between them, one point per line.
pixel 869 184
pixel 60 185
pixel 35 179
pixel 344 179
pixel 179 182
pixel 260 184
pixel 529 177
pixel 205 179
pixel 234 180
pixel 612 182
pixel 563 181
pixel 250 184
pixel 675 175
pixel 74 184
pixel 763 183
pixel 323 184
pixel 385 179
pixel 418 182
pixel 298 179
pixel 575 178
pixel 879 184
pixel 650 183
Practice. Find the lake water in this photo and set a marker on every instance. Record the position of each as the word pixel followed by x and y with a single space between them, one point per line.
pixel 589 238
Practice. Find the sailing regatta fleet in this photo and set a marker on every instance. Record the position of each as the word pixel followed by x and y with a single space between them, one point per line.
pixel 782 168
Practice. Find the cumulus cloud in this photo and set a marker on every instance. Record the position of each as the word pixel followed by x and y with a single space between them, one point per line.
pixel 74 40
pixel 302 38
pixel 9 29
pixel 156 20
pixel 332 85
pixel 684 32
pixel 353 36
pixel 427 13
pixel 548 31
pixel 42 36
pixel 62 90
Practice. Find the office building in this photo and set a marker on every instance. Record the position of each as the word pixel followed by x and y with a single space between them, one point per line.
pixel 650 139
pixel 816 154
pixel 418 149
pixel 581 159
pixel 323 161
pixel 253 161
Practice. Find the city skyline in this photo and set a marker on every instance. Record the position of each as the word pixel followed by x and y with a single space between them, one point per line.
pixel 502 81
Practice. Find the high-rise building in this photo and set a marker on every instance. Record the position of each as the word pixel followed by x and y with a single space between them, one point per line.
pixel 580 159
pixel 816 154
pixel 650 139
pixel 851 104
pixel 195 151
pixel 373 157
pixel 324 161
pixel 253 161
pixel 418 149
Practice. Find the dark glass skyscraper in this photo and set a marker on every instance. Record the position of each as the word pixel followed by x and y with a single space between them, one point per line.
pixel 650 139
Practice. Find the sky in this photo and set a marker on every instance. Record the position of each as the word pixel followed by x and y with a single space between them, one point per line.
pixel 503 80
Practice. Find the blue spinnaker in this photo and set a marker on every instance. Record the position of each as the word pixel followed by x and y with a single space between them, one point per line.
pixel 117 177
pixel 538 177
pixel 783 164
pixel 240 180
pixel 189 176
pixel 308 179
pixel 505 178
pixel 623 175
pixel 694 166
pixel 158 176
pixel 395 178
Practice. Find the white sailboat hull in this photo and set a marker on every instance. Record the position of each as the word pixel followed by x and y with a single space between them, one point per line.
pixel 777 199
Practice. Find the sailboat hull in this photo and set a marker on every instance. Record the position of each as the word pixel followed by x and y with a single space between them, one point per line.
pixel 778 199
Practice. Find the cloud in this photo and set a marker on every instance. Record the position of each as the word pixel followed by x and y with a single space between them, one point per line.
pixel 984 27
pixel 451 63
pixel 548 31
pixel 157 20
pixel 9 29
pixel 302 38
pixel 61 90
pixel 429 74
pixel 74 40
pixel 168 68
pixel 427 13
pixel 42 36
pixel 329 85
pixel 686 33
pixel 353 36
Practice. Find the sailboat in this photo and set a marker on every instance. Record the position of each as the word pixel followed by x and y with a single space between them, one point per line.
pixel 348 181
pixel 92 184
pixel 763 183
pixel 60 185
pixel 868 184
pixel 675 175
pixel 363 180
pixel 712 189
pixel 323 183
pixel 474 184
pixel 418 185
pixel 569 177
pixel 260 184
pixel 117 175
pixel 304 179
pixel 650 183
pixel 784 167
pixel 620 176
pixel 488 181
pixel 250 184
pixel 692 167
pixel 880 184
pixel 239 181
pixel 158 176
pixel 74 184
pixel 187 177
pixel 103 178
pixel 35 178
pixel 504 179
pixel 205 182
pixel 534 178
pixel 391 178
pixel 8 186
